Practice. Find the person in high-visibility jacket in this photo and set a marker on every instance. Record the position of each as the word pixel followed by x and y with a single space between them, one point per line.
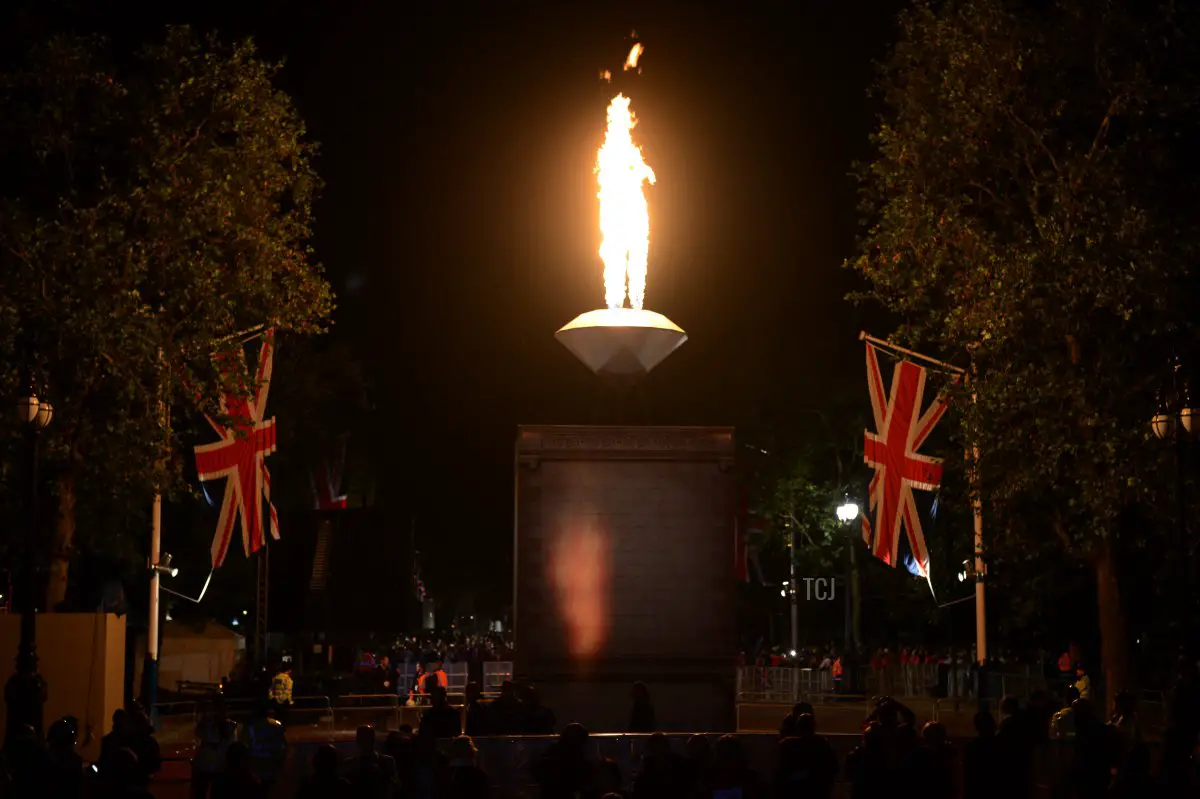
pixel 435 676
pixel 1083 683
pixel 280 693
pixel 837 674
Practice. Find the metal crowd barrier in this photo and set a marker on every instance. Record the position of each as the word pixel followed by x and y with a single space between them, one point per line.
pixel 495 673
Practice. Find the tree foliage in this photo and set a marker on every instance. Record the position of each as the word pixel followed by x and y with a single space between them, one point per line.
pixel 153 206
pixel 1030 208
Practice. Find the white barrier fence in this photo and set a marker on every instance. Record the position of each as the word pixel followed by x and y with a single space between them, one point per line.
pixel 458 675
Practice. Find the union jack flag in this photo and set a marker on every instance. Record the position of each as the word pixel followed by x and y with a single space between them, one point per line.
pixel 240 457
pixel 899 468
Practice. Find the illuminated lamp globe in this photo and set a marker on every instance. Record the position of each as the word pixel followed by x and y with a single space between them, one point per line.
pixel 847 512
pixel 621 342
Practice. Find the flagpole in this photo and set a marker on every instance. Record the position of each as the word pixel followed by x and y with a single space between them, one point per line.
pixel 887 345
pixel 976 499
pixel 980 569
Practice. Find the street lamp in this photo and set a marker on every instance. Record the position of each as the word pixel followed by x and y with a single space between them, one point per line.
pixel 1174 421
pixel 25 691
pixel 847 512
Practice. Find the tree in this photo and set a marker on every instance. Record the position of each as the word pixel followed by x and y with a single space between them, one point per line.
pixel 1031 208
pixel 153 207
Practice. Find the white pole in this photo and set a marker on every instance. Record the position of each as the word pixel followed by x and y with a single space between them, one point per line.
pixel 152 636
pixel 980 597
pixel 795 598
pixel 155 546
pixel 980 569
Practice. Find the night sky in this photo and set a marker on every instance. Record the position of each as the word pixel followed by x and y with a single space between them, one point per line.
pixel 459 220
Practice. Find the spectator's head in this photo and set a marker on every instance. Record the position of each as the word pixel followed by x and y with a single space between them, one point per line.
pixel 933 734
pixel 872 735
pixel 364 738
pixel 806 725
pixel 698 749
pixel 326 761
pixel 384 661
pixel 406 729
pixel 573 736
pixel 800 708
pixel 1009 706
pixel 985 724
pixel 1080 671
pixel 888 714
pixel 462 749
pixel 1084 711
pixel 508 690
pixel 528 695
pixel 61 736
pixel 640 692
pixel 437 696
pixel 237 757
pixel 120 719
pixel 789 753
pixel 657 745
pixel 610 775
pixel 728 753
pixel 473 692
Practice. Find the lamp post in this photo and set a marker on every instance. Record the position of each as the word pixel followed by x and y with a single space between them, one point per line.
pixel 25 691
pixel 1175 421
pixel 847 512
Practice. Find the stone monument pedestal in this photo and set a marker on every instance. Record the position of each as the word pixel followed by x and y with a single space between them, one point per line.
pixel 624 566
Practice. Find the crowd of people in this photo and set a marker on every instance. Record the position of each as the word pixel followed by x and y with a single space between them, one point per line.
pixel 1088 758
pixel 1068 746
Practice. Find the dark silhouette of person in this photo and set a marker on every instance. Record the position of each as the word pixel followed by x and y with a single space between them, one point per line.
pixel 932 765
pixel 467 779
pixel 238 781
pixel 731 772
pixel 326 782
pixel 980 760
pixel 1133 779
pixel 117 738
pixel 370 773
pixel 64 767
pixel 788 728
pixel 641 716
pixel 25 762
pixel 440 720
pixel 536 718
pixel 1015 748
pixel 662 774
pixel 696 764
pixel 123 778
pixel 868 767
pixel 806 765
pixel 609 780
pixel 565 771
pixel 1094 753
pixel 144 744
pixel 478 721
pixel 505 711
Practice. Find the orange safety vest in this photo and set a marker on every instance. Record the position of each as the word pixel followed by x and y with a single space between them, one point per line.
pixel 442 679
pixel 1064 663
pixel 837 668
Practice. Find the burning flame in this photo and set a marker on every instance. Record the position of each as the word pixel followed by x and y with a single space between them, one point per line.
pixel 624 219
pixel 634 54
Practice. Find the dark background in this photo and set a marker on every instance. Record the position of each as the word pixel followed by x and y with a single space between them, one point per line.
pixel 459 220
